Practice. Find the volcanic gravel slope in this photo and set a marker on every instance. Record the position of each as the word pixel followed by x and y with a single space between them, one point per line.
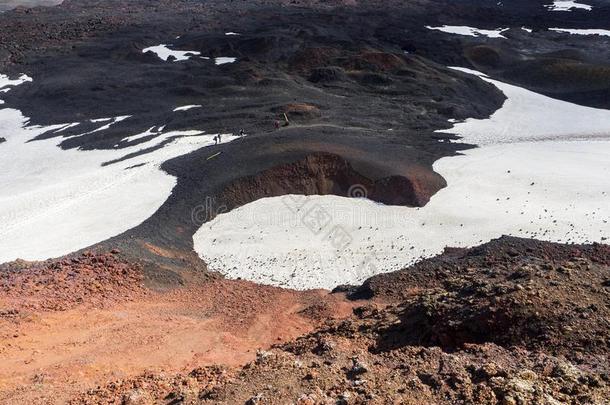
pixel 513 321
pixel 96 280
pixel 364 85
pixel 69 325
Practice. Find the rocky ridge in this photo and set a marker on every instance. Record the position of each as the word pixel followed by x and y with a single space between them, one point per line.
pixel 511 322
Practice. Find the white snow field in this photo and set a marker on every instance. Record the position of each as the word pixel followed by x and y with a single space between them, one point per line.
pixel 542 171
pixel 187 107
pixel 54 201
pixel 568 5
pixel 528 116
pixel 605 33
pixel 470 31
pixel 223 60
pixel 163 52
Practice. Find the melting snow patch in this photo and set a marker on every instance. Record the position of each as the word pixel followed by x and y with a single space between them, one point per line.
pixel 526 116
pixel 541 172
pixel 150 131
pixel 549 191
pixel 54 201
pixel 232 33
pixel 6 82
pixel 223 60
pixel 114 120
pixel 163 52
pixel 568 5
pixel 62 129
pixel 101 119
pixel 166 135
pixel 470 31
pixel 582 31
pixel 187 107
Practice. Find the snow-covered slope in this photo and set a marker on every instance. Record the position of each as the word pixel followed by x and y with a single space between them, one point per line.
pixel 528 116
pixel 54 201
pixel 542 172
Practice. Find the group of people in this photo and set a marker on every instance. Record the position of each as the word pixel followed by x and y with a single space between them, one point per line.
pixel 218 138
pixel 277 124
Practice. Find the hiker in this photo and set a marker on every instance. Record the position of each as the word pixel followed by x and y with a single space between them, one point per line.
pixel 219 139
pixel 215 140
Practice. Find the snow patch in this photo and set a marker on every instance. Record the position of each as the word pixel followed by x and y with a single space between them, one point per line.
pixel 527 116
pixel 150 131
pixel 541 172
pixel 553 191
pixel 114 120
pixel 163 52
pixel 568 5
pixel 166 135
pixel 54 201
pixel 224 60
pixel 5 81
pixel 95 120
pixel 470 31
pixel 582 31
pixel 187 107
pixel 66 127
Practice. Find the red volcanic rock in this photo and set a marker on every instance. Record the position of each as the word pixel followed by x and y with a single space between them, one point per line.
pixel 92 279
pixel 514 321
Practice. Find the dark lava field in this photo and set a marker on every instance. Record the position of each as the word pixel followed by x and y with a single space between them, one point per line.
pixel 363 84
pixel 311 97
